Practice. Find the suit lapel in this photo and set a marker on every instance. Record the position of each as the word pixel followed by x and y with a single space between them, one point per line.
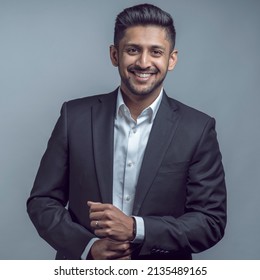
pixel 103 141
pixel 162 132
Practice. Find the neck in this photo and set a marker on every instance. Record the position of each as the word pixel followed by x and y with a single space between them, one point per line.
pixel 136 104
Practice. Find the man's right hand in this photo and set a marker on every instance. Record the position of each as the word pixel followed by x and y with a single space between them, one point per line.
pixel 107 249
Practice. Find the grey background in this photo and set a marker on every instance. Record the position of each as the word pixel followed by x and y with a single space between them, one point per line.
pixel 54 50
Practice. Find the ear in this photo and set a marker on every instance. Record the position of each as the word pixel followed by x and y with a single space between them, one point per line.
pixel 173 60
pixel 114 55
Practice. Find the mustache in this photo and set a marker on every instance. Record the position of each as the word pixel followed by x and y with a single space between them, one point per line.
pixel 150 70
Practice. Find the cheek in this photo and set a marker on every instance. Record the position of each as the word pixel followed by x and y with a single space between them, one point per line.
pixel 163 65
pixel 126 59
pixel 124 63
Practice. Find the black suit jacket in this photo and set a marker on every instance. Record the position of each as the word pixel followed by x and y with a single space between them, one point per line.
pixel 180 193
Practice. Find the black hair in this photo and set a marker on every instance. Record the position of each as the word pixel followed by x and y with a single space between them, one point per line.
pixel 144 14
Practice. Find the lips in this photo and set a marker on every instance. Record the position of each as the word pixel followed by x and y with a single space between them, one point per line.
pixel 141 74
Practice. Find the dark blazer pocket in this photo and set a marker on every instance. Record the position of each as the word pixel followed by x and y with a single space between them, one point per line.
pixel 174 167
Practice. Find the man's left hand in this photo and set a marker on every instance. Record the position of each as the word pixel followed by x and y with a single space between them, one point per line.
pixel 108 221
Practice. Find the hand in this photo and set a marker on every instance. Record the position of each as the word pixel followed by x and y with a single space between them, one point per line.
pixel 106 249
pixel 108 221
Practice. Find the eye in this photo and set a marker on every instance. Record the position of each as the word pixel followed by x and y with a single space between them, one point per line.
pixel 132 50
pixel 157 53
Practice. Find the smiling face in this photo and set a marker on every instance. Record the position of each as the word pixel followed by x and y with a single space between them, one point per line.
pixel 143 57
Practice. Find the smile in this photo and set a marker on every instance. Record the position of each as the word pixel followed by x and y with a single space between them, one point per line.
pixel 143 75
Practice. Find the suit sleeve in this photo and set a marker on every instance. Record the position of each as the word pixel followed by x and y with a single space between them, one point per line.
pixel 46 205
pixel 203 223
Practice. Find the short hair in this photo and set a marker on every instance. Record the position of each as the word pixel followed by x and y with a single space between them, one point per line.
pixel 144 14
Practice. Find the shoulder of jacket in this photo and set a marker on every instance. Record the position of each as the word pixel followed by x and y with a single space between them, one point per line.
pixel 188 111
pixel 89 101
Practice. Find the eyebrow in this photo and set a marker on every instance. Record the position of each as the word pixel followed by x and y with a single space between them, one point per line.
pixel 140 47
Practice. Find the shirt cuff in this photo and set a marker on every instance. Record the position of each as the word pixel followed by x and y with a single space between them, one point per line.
pixel 87 249
pixel 139 237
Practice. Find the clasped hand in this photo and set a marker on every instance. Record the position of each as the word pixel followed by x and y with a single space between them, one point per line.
pixel 115 230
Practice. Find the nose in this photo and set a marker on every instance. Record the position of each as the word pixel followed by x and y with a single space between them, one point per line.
pixel 143 60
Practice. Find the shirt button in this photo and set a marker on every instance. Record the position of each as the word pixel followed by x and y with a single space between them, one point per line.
pixel 127 198
pixel 130 163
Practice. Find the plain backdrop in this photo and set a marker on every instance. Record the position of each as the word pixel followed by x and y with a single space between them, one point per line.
pixel 55 50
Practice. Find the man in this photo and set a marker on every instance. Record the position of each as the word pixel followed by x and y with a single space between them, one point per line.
pixel 140 173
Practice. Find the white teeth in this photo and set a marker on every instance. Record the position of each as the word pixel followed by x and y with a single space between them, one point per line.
pixel 142 75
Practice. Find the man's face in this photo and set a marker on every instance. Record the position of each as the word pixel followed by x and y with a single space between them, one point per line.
pixel 143 58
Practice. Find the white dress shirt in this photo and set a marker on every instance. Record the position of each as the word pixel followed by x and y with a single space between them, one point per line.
pixel 130 140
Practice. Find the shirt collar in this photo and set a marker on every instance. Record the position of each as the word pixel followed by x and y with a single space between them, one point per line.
pixel 153 108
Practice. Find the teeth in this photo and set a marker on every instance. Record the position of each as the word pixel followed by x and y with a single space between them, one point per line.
pixel 142 75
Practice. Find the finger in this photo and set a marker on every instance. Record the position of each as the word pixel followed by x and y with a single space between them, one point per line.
pixel 97 206
pixel 96 216
pixel 101 233
pixel 91 204
pixel 105 212
pixel 119 250
pixel 98 224
pixel 120 255
pixel 119 247
pixel 124 258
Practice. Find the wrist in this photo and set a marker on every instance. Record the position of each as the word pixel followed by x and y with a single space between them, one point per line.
pixel 89 256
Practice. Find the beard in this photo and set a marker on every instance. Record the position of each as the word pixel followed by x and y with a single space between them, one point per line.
pixel 148 89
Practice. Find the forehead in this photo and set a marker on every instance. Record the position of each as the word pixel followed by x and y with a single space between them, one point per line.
pixel 149 35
